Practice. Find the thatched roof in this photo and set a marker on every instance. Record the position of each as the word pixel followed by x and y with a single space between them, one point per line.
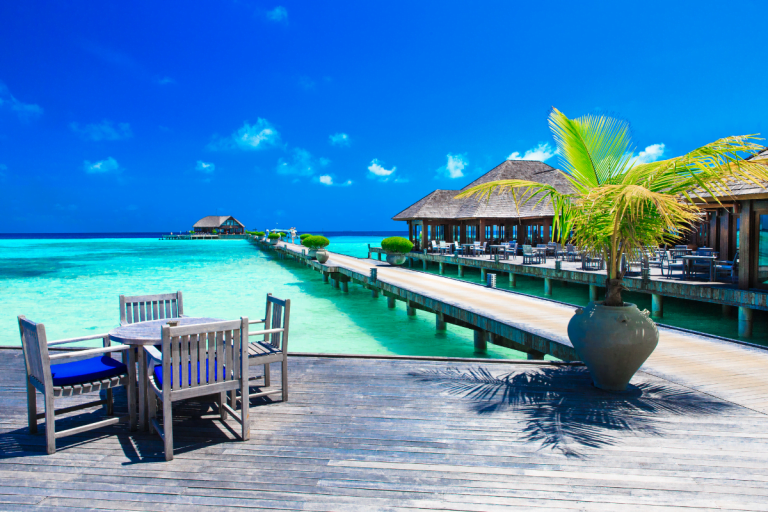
pixel 747 190
pixel 441 204
pixel 215 221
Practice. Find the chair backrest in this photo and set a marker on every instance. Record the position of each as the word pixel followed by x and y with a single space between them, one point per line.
pixel 143 308
pixel 527 250
pixel 35 346
pixel 443 245
pixel 705 251
pixel 434 244
pixel 277 317
pixel 681 247
pixel 476 244
pixel 204 354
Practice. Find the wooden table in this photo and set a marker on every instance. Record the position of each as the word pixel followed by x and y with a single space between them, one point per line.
pixel 147 333
pixel 709 259
pixel 496 248
pixel 542 251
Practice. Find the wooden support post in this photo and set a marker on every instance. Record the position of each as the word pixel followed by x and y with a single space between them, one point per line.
pixel 460 269
pixel 482 274
pixel 345 286
pixel 593 293
pixel 512 279
pixel 335 283
pixel 375 293
pixel 728 310
pixel 379 256
pixel 410 309
pixel 481 341
pixel 441 266
pixel 548 286
pixel 410 262
pixel 657 305
pixel 745 322
pixel 425 264
pixel 391 302
pixel 535 355
pixel 325 276
pixel 439 322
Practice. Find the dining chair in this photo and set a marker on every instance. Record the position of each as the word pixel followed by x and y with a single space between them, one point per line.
pixel 729 268
pixel 529 256
pixel 195 361
pixel 87 371
pixel 671 264
pixel 273 347
pixel 144 308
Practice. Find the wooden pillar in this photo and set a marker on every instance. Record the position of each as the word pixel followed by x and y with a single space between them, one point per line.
pixel 482 274
pixel 325 276
pixel 390 302
pixel 593 293
pixel 657 305
pixel 345 286
pixel 440 322
pixel 548 286
pixel 442 268
pixel 481 341
pixel 745 322
pixel 512 279
pixel 335 283
pixel 375 293
pixel 746 238
pixel 460 269
pixel 425 264
pixel 410 310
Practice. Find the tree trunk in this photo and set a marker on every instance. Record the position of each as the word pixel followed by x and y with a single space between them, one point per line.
pixel 613 289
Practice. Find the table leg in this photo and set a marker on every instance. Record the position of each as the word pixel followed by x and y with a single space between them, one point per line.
pixel 132 385
pixel 143 390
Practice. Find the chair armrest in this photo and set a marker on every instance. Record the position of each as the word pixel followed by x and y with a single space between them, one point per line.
pixel 251 322
pixel 267 331
pixel 89 352
pixel 81 338
pixel 153 354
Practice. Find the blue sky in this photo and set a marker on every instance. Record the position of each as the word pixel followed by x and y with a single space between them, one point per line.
pixel 145 116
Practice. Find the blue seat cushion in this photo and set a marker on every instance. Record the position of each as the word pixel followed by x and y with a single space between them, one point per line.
pixel 159 373
pixel 78 372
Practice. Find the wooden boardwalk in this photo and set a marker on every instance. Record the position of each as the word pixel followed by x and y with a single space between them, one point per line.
pixel 368 434
pixel 729 371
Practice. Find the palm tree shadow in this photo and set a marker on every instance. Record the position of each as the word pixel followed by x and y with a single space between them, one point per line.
pixel 564 411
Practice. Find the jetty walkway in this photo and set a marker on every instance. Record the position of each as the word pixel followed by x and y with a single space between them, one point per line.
pixel 729 371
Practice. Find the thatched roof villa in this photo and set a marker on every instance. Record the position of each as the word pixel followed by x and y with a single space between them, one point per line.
pixel 223 224
pixel 439 216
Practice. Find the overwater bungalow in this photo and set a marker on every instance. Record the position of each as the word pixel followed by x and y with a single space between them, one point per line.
pixel 441 217
pixel 220 224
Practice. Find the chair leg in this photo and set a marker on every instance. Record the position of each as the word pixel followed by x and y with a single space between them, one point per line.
pixel 32 408
pixel 168 428
pixel 245 410
pixel 50 425
pixel 284 374
pixel 151 409
pixel 222 401
pixel 267 379
pixel 110 403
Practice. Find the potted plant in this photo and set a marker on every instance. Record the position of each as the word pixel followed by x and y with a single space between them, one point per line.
pixel 273 238
pixel 617 206
pixel 316 245
pixel 303 236
pixel 396 248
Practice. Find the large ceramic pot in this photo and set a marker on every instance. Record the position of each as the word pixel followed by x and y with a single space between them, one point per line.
pixel 312 254
pixel 322 255
pixel 272 241
pixel 395 258
pixel 613 342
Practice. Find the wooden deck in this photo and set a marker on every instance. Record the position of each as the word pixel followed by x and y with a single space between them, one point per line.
pixel 372 434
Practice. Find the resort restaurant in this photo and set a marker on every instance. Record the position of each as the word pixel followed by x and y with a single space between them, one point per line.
pixel 219 224
pixel 441 217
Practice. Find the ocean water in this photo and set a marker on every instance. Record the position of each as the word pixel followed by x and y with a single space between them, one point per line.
pixel 72 286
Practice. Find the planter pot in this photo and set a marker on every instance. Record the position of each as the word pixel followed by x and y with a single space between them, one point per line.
pixel 312 254
pixel 272 241
pixel 613 342
pixel 395 258
pixel 322 255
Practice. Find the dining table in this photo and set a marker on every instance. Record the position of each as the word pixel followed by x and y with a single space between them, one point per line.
pixel 498 249
pixel 542 251
pixel 140 334
pixel 690 259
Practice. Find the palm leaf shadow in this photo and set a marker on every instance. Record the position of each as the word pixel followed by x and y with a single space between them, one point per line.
pixel 564 411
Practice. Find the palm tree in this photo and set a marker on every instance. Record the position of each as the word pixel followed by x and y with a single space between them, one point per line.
pixel 618 207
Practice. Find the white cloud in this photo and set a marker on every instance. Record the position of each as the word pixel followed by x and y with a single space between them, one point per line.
pixel 25 111
pixel 166 80
pixel 377 171
pixel 339 139
pixel 204 167
pixel 325 179
pixel 649 154
pixel 102 166
pixel 454 167
pixel 302 163
pixel 105 130
pixel 259 135
pixel 279 14
pixel 542 153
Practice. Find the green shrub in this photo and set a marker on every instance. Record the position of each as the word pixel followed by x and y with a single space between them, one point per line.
pixel 397 244
pixel 315 242
pixel 258 233
pixel 273 236
pixel 302 237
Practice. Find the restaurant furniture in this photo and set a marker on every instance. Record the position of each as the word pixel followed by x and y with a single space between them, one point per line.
pixel 143 308
pixel 273 347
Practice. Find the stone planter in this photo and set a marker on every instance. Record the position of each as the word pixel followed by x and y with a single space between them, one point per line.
pixel 272 241
pixel 322 255
pixel 395 258
pixel 312 254
pixel 613 342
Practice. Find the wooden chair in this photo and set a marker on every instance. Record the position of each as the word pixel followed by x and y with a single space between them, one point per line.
pixel 274 347
pixel 87 371
pixel 529 256
pixel 729 268
pixel 198 360
pixel 144 308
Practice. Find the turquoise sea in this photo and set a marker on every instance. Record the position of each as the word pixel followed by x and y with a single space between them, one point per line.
pixel 72 286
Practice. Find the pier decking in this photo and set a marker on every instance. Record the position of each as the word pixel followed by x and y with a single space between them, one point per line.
pixel 407 435
pixel 731 372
